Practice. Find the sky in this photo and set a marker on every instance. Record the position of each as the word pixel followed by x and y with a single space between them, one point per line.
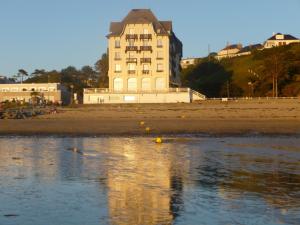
pixel 53 34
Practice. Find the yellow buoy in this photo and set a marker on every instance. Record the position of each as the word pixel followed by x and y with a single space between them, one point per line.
pixel 158 140
pixel 147 129
pixel 142 123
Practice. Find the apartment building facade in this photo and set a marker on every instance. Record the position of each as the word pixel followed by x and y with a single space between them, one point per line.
pixel 144 63
pixel 144 54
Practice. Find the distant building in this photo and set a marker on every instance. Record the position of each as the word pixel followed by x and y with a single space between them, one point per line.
pixel 185 63
pixel 248 49
pixel 280 40
pixel 229 52
pixel 52 92
pixel 144 62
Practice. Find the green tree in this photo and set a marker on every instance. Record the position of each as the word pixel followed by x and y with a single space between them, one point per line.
pixel 101 67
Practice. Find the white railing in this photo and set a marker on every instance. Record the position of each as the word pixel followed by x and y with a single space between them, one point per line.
pixel 106 90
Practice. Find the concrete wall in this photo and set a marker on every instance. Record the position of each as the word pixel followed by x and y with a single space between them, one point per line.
pixel 98 98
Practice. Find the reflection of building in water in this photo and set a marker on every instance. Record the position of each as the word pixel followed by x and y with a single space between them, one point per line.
pixel 142 188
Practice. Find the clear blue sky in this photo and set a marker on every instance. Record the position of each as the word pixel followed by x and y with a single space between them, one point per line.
pixel 53 34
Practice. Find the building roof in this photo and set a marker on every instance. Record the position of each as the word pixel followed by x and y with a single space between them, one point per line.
pixel 251 47
pixel 235 46
pixel 141 16
pixel 285 37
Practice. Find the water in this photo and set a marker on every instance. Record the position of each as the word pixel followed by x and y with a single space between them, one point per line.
pixel 232 180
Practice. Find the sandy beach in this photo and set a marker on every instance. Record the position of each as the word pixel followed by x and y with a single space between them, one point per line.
pixel 207 117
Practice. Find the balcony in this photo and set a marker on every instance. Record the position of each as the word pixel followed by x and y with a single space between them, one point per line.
pixel 145 60
pixel 145 36
pixel 159 46
pixel 146 48
pixel 159 71
pixel 146 71
pixel 131 60
pixel 131 36
pixel 118 59
pixel 131 72
pixel 131 48
pixel 118 71
pixel 159 58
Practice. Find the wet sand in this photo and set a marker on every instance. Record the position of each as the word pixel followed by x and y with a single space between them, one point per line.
pixel 209 117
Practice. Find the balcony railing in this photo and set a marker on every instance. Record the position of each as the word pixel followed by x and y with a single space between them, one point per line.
pixel 131 36
pixel 146 71
pixel 145 60
pixel 146 48
pixel 159 71
pixel 131 72
pixel 131 60
pixel 131 48
pixel 146 36
pixel 159 58
pixel 159 46
pixel 118 59
pixel 118 71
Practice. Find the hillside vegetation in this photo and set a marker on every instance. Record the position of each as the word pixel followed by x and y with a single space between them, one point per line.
pixel 269 72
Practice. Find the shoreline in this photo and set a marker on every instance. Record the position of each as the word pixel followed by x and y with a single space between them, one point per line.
pixel 208 118
pixel 41 127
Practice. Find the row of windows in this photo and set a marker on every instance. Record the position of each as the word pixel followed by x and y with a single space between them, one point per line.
pixel 26 89
pixel 118 84
pixel 132 66
pixel 131 43
pixel 159 54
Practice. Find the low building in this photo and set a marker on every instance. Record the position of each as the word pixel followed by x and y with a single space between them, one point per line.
pixel 280 40
pixel 49 92
pixel 247 50
pixel 185 63
pixel 229 52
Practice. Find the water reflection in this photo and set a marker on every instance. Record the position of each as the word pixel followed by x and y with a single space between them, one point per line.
pixel 134 181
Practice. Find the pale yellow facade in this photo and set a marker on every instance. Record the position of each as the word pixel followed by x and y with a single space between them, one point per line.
pixel 142 58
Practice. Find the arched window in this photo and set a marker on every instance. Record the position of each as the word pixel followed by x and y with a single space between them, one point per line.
pixel 118 84
pixel 160 83
pixel 132 84
pixel 146 85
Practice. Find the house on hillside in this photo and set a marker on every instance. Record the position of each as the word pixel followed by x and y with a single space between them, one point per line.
pixel 229 51
pixel 280 40
pixel 248 49
pixel 144 62
pixel 185 63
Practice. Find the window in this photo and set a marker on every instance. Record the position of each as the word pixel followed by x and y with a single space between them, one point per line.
pixel 131 55
pixel 159 43
pixel 118 68
pixel 159 54
pixel 159 67
pixel 159 83
pixel 146 85
pixel 117 44
pixel 132 84
pixel 145 67
pixel 131 42
pixel 118 84
pixel 145 43
pixel 146 31
pixel 117 56
pixel 131 31
pixel 131 66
